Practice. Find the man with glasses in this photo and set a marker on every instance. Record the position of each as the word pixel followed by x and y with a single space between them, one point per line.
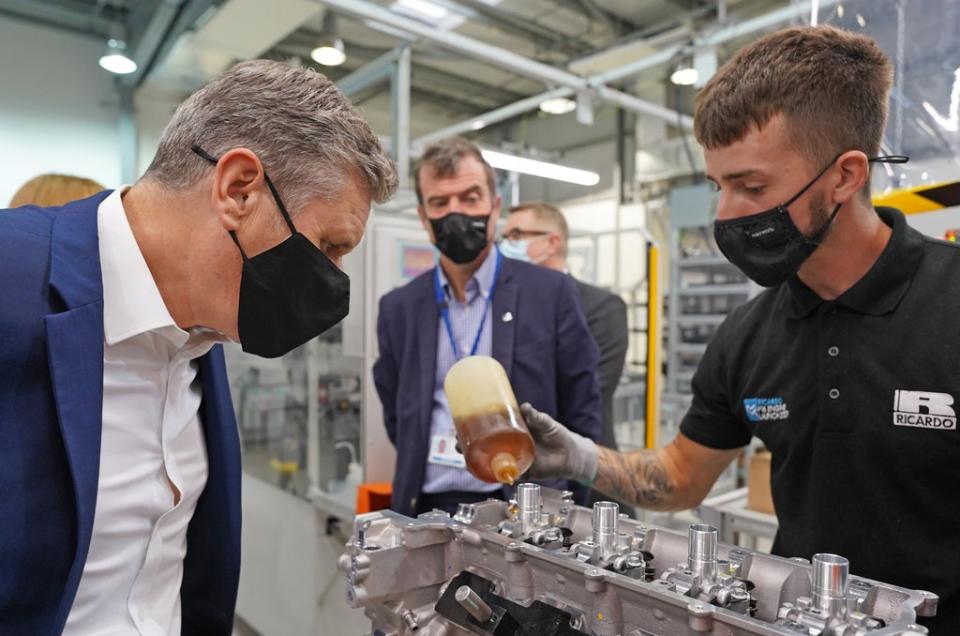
pixel 537 232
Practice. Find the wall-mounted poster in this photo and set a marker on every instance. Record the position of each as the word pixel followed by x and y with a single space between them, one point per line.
pixel 416 259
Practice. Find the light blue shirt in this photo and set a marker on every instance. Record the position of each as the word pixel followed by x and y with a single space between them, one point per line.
pixel 465 319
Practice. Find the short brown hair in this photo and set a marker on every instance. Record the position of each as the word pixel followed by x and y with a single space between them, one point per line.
pixel 49 190
pixel 831 86
pixel 444 157
pixel 548 213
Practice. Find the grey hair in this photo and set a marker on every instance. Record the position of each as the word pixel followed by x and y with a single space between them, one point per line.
pixel 305 132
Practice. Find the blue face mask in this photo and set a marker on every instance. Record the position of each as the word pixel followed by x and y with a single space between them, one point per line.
pixel 516 250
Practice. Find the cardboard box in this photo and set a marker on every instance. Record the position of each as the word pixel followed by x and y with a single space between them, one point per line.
pixel 759 497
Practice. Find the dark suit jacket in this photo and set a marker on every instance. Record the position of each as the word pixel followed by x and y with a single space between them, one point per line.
pixel 606 315
pixel 546 349
pixel 51 402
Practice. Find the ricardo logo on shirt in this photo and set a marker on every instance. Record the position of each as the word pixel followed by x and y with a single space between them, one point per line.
pixel 765 409
pixel 924 409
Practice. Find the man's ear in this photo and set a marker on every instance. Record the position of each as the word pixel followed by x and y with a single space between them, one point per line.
pixel 425 222
pixel 238 186
pixel 854 174
pixel 494 218
pixel 556 244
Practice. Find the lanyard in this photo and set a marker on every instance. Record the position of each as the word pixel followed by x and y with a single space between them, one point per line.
pixel 445 310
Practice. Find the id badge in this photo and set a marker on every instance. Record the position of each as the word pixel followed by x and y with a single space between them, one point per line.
pixel 443 452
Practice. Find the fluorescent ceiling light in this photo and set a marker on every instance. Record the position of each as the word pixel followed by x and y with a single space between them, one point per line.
pixel 115 58
pixel 862 21
pixel 558 105
pixel 421 9
pixel 523 165
pixel 687 76
pixel 329 55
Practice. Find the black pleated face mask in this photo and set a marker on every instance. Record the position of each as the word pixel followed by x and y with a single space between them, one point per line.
pixel 767 246
pixel 289 294
pixel 461 237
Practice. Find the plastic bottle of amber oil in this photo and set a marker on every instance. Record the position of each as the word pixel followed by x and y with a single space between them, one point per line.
pixel 493 436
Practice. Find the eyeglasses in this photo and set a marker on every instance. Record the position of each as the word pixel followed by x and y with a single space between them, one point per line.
pixel 518 234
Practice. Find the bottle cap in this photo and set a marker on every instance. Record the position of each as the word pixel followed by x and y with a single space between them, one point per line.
pixel 504 467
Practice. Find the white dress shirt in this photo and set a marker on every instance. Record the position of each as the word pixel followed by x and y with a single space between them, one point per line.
pixel 153 461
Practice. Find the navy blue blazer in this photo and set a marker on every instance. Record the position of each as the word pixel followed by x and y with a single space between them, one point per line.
pixel 51 396
pixel 546 349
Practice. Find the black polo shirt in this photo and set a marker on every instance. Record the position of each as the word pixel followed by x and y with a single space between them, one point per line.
pixel 857 399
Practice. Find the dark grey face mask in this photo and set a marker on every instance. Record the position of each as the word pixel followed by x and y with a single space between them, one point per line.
pixel 767 246
pixel 290 293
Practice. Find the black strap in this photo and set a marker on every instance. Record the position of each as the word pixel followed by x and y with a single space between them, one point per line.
pixel 273 190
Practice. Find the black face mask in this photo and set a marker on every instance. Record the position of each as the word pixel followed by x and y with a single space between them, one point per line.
pixel 461 237
pixel 767 246
pixel 289 294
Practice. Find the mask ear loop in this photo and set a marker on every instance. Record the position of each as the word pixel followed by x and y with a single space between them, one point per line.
pixel 881 159
pixel 273 190
pixel 810 184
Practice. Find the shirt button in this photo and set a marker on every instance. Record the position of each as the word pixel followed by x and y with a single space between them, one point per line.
pixel 834 394
pixel 833 352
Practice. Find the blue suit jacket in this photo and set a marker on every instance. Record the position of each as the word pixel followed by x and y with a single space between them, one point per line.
pixel 546 349
pixel 51 396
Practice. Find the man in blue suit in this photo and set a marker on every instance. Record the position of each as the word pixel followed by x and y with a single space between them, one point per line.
pixel 474 303
pixel 120 461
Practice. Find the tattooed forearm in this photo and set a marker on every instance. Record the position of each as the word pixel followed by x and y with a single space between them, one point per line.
pixel 638 477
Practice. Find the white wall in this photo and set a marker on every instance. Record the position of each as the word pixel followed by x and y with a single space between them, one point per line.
pixel 58 109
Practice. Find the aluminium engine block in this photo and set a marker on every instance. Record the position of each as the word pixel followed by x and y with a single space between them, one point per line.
pixel 542 566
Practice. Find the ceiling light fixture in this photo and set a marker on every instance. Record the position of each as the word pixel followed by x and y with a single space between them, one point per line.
pixel 329 50
pixel 115 58
pixel 685 76
pixel 329 53
pixel 421 9
pixel 536 168
pixel 558 105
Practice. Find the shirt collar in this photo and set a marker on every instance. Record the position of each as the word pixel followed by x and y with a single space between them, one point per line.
pixel 482 278
pixel 132 304
pixel 881 289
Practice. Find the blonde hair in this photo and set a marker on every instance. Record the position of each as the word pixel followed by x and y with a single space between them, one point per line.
pixel 49 190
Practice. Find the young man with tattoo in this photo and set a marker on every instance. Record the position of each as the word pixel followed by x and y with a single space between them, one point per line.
pixel 847 367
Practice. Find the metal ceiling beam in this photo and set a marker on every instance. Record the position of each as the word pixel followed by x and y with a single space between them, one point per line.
pixel 725 34
pixel 371 73
pixel 589 9
pixel 185 21
pixel 424 83
pixel 502 58
pixel 524 28
pixel 494 116
pixel 301 43
pixel 76 16
pixel 147 44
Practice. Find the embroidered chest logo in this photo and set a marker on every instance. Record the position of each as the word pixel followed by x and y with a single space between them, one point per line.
pixel 924 409
pixel 765 409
